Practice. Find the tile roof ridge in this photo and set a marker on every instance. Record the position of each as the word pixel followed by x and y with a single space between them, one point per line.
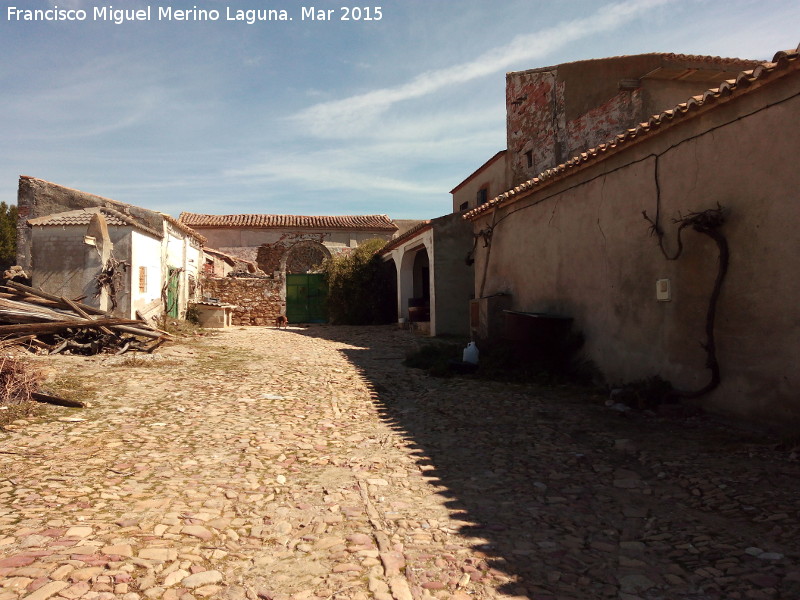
pixel 380 222
pixel 190 214
pixel 673 55
pixel 400 239
pixel 183 227
pixel 121 218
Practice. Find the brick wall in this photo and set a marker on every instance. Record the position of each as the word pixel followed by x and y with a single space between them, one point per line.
pixel 257 301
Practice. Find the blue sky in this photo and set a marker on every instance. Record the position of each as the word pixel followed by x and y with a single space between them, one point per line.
pixel 313 117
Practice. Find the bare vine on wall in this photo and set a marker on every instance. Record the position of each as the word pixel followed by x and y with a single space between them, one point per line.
pixel 110 279
pixel 707 222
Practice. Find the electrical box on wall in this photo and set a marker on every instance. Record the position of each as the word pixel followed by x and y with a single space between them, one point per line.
pixel 663 290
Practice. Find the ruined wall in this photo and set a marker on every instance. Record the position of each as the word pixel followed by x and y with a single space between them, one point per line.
pixel 535 122
pixel 243 242
pixel 257 301
pixel 39 198
pixel 555 113
pixel 65 266
pixel 274 256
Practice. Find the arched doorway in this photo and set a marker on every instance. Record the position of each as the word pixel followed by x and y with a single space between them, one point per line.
pixel 305 284
pixel 390 273
pixel 422 276
pixel 415 296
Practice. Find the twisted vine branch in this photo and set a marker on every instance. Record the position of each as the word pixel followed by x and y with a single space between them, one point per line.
pixel 708 223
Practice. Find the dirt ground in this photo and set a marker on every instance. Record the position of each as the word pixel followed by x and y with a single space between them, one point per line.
pixel 309 463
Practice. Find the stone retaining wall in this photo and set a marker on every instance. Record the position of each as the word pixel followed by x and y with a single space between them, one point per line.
pixel 257 301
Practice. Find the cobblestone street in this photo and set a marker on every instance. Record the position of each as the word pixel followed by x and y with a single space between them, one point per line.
pixel 309 464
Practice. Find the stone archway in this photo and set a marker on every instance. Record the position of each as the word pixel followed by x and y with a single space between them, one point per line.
pixel 305 257
pixel 306 290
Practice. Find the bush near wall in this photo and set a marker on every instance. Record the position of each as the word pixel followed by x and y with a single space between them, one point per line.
pixel 8 235
pixel 360 288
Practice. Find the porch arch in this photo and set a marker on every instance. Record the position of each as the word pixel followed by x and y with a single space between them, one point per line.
pixel 414 284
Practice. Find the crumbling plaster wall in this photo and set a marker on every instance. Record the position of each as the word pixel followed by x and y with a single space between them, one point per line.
pixel 579 246
pixel 555 113
pixel 185 254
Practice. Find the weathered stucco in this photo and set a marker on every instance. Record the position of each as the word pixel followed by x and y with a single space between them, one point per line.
pixel 579 246
pixel 554 113
pixel 66 266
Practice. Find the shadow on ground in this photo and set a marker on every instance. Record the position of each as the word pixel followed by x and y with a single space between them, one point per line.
pixel 562 493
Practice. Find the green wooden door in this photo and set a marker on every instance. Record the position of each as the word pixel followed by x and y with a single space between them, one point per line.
pixel 305 298
pixel 172 292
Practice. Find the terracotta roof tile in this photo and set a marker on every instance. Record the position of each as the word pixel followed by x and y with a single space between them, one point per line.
pixel 358 222
pixel 184 228
pixel 401 239
pixel 667 56
pixel 83 216
pixel 783 61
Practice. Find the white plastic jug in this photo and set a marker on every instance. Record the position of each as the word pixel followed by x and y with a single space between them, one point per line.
pixel 471 354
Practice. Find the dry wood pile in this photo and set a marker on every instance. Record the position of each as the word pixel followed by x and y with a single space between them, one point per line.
pixel 44 322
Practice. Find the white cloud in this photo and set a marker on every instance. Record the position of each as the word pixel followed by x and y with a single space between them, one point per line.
pixel 410 156
pixel 120 96
pixel 357 114
pixel 331 170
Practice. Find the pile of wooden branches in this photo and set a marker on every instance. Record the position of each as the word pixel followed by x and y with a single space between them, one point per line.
pixel 47 323
pixel 18 382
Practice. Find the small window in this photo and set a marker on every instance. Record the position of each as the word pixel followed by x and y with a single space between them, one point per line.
pixel 529 158
pixel 142 280
pixel 483 196
pixel 464 206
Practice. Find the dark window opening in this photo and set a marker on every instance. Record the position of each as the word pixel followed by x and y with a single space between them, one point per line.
pixel 483 196
pixel 464 206
pixel 529 158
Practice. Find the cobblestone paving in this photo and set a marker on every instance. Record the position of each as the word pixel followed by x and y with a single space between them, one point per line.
pixel 309 464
